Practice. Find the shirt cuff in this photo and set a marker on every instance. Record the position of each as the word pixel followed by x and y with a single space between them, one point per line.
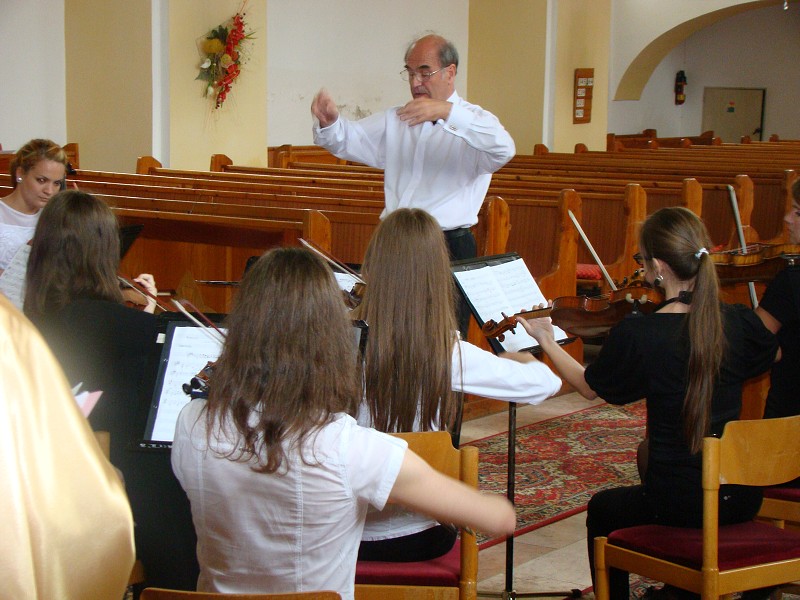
pixel 459 121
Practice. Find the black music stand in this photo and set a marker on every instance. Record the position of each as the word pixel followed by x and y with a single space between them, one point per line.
pixel 508 592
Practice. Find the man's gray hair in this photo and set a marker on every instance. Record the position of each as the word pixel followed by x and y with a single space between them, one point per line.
pixel 448 55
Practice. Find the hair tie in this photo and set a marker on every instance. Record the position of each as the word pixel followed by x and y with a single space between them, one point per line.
pixel 700 253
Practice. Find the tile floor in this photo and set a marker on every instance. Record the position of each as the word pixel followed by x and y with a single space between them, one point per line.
pixel 552 558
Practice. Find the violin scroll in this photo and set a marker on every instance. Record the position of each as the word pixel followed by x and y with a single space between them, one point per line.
pixel 583 316
pixel 199 385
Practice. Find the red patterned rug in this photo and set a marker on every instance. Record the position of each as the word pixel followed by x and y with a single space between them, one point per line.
pixel 562 462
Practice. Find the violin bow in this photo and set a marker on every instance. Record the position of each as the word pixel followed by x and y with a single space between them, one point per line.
pixel 742 243
pixel 209 327
pixel 591 251
pixel 330 259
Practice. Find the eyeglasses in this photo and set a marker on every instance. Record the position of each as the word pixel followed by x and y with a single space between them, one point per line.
pixel 423 76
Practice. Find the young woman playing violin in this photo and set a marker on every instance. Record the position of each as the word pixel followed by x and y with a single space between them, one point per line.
pixel 688 359
pixel 73 296
pixel 278 474
pixel 415 361
pixel 780 311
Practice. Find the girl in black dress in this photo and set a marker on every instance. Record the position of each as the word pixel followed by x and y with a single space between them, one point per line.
pixel 689 360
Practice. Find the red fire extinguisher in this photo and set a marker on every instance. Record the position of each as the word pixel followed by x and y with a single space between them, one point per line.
pixel 680 84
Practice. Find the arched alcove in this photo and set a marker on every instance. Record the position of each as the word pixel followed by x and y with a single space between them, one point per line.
pixel 641 68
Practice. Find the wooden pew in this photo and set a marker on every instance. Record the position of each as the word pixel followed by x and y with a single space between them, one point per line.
pixel 281 156
pixel 215 247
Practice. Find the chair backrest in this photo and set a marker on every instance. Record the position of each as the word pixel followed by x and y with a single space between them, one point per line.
pixel 164 594
pixel 758 452
pixel 436 447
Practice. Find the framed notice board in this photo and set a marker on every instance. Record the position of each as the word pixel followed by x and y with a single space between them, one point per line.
pixel 582 97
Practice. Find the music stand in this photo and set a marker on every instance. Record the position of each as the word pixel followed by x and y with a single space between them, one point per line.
pixel 508 592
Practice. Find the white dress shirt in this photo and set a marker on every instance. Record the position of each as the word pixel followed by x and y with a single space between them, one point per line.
pixel 474 371
pixel 292 531
pixel 443 168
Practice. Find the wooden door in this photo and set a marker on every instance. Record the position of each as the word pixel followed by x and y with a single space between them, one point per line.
pixel 733 112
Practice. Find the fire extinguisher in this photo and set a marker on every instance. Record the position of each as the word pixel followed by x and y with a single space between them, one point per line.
pixel 680 84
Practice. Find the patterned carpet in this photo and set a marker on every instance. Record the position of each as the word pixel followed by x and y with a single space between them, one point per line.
pixel 561 462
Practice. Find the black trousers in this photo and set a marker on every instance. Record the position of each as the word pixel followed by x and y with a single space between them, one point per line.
pixel 425 545
pixel 461 245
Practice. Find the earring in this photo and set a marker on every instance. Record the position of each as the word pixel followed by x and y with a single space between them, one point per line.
pixel 19 179
pixel 659 280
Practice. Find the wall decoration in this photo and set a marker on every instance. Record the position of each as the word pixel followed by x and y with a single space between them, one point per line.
pixel 223 50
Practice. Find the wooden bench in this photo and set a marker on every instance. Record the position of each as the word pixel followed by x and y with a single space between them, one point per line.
pixel 175 246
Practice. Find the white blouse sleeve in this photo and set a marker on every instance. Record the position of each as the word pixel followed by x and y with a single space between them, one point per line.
pixel 479 372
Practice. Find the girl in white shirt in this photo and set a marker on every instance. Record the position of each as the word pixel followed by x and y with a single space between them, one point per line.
pixel 36 174
pixel 415 364
pixel 279 476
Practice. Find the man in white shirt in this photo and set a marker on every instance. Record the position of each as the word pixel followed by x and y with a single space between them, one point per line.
pixel 438 151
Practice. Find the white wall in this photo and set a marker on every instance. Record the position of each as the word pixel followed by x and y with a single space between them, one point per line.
pixel 32 79
pixel 354 49
pixel 758 48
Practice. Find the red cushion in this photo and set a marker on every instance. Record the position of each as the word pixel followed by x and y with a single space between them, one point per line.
pixel 588 272
pixel 740 545
pixel 442 571
pixel 783 493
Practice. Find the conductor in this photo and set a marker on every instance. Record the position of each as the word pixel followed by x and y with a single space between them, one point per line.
pixel 438 151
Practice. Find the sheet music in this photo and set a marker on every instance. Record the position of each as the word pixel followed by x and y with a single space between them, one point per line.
pixel 189 351
pixel 509 288
pixel 12 281
pixel 345 280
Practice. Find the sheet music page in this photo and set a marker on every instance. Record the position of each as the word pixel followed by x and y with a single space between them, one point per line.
pixel 508 288
pixel 12 281
pixel 345 280
pixel 189 352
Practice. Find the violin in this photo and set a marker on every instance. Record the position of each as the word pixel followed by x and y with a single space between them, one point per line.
pixel 754 262
pixel 583 316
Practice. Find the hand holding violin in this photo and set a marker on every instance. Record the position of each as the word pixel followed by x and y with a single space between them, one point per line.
pixel 540 329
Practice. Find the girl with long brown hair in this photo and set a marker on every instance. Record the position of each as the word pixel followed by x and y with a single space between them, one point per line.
pixel 73 296
pixel 279 476
pixel 689 360
pixel 415 364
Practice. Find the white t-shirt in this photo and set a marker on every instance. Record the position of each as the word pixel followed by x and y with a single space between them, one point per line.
pixel 16 229
pixel 474 371
pixel 291 531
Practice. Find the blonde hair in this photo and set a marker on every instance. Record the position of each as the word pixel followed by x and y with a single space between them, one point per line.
pixel 32 153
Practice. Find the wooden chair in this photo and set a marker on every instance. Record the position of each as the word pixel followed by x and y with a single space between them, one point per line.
pixel 781 506
pixel 163 594
pixel 716 561
pixel 453 576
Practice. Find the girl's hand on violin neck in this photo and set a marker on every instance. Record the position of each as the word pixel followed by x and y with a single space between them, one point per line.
pixel 539 329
